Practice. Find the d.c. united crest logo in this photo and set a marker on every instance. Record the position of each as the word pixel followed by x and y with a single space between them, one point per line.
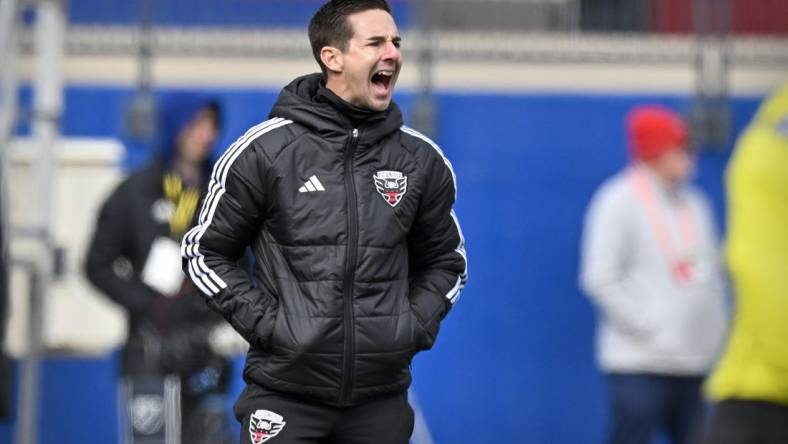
pixel 264 425
pixel 392 185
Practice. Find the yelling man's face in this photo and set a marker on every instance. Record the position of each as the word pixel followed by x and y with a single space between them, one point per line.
pixel 366 72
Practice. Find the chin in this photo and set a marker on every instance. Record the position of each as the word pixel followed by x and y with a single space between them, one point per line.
pixel 379 105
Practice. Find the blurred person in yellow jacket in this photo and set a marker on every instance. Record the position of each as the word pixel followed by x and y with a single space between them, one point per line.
pixel 750 383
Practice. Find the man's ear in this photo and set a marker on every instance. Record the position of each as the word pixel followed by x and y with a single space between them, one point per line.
pixel 332 59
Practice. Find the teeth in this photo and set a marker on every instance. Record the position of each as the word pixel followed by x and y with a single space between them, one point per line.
pixel 386 73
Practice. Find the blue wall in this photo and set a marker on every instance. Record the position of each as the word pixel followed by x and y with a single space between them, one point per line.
pixel 514 361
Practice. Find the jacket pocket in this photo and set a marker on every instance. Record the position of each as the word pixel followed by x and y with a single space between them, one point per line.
pixel 425 327
pixel 265 328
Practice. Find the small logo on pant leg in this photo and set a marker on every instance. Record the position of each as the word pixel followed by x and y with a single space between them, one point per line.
pixel 264 425
pixel 147 414
pixel 392 185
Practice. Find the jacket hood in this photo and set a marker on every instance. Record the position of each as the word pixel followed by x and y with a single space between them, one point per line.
pixel 175 111
pixel 298 102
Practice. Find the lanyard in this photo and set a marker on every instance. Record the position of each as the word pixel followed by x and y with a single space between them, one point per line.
pixel 185 201
pixel 659 215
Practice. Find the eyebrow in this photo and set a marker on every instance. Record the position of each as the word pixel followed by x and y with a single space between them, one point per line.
pixel 380 38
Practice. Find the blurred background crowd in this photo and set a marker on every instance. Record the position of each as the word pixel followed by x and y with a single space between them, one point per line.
pixel 532 102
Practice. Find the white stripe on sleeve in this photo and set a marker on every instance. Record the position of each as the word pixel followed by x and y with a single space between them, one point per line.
pixel 206 279
pixel 454 294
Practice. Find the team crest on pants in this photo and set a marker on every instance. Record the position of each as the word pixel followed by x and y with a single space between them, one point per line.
pixel 392 185
pixel 264 425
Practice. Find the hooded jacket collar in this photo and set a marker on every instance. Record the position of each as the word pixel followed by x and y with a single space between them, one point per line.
pixel 307 102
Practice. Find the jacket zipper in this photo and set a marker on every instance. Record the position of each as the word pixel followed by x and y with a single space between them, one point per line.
pixel 350 270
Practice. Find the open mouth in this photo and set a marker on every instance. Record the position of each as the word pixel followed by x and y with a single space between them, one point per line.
pixel 381 81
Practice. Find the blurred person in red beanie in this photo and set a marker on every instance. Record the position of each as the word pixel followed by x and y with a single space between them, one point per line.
pixel 650 265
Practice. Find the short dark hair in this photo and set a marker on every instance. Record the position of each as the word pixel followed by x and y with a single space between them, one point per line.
pixel 330 27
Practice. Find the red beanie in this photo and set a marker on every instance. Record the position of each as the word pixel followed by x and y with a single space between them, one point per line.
pixel 653 130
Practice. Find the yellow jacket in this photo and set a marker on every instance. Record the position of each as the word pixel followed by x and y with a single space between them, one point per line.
pixel 755 363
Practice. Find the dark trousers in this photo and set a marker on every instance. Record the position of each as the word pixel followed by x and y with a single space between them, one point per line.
pixel 748 422
pixel 283 419
pixel 642 404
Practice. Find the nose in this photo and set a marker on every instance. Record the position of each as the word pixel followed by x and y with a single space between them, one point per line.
pixel 391 52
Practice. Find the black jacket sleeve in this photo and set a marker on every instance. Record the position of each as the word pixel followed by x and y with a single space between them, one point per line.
pixel 112 241
pixel 231 215
pixel 436 248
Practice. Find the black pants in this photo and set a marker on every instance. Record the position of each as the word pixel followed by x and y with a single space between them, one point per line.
pixel 642 404
pixel 748 422
pixel 266 415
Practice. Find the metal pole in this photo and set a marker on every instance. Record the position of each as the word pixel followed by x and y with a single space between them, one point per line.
pixel 8 75
pixel 47 108
pixel 27 425
pixel 141 114
pixel 424 113
pixel 572 12
pixel 722 122
pixel 710 113
pixel 48 103
pixel 8 88
pixel 699 107
pixel 146 47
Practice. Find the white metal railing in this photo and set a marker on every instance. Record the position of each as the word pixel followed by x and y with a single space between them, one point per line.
pixel 538 47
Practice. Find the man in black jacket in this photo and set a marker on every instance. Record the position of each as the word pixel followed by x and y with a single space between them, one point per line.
pixel 137 236
pixel 359 255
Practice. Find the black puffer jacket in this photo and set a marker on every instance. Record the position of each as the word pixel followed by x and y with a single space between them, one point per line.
pixel 359 254
pixel 166 333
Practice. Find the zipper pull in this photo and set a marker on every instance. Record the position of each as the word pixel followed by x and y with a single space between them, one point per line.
pixel 355 132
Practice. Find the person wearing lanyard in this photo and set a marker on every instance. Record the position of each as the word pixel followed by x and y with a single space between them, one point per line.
pixel 650 265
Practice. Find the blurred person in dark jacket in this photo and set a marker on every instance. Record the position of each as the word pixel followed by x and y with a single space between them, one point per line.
pixel 134 259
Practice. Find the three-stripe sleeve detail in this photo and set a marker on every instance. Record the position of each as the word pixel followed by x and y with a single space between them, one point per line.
pixel 203 276
pixel 454 294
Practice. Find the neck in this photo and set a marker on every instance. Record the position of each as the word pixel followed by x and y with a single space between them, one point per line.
pixel 662 180
pixel 353 114
pixel 190 172
pixel 339 88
